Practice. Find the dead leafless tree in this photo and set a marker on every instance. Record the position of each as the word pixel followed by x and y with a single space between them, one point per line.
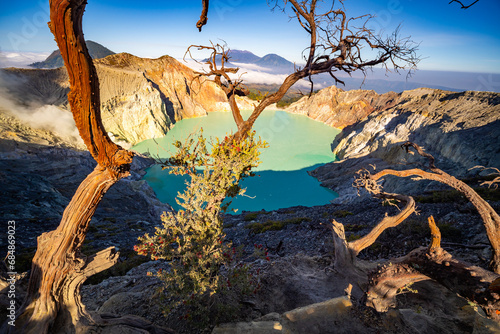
pixel 491 219
pixel 336 43
pixel 476 284
pixel 221 76
pixel 385 282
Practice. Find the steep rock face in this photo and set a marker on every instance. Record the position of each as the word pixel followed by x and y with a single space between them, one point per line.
pixel 339 108
pixel 140 98
pixel 461 130
pixel 39 173
pixel 17 135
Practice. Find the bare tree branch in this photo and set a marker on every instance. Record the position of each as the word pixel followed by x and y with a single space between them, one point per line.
pixel 461 4
pixel 336 44
pixel 474 283
pixel 435 235
pixel 364 179
pixel 204 15
pixel 220 74
pixel 493 183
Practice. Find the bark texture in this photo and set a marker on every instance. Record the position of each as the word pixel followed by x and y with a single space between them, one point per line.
pixel 53 301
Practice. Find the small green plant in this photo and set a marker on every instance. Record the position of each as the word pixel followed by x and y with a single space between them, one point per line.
pixel 250 216
pixel 342 213
pixel 353 237
pixel 354 227
pixel 450 232
pixel 390 202
pixel 274 225
pixel 441 196
pixel 297 220
pixel 204 268
pixel 270 225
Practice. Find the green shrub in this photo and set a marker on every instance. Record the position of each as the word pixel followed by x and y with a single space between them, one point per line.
pixel 250 216
pixel 353 237
pixel 450 232
pixel 204 268
pixel 441 196
pixel 297 220
pixel 270 225
pixel 342 213
pixel 354 227
pixel 275 225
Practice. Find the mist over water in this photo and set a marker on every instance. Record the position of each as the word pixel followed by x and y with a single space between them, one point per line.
pixel 297 144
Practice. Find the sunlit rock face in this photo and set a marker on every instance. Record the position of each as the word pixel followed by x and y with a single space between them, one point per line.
pixel 142 98
pixel 462 128
pixel 339 108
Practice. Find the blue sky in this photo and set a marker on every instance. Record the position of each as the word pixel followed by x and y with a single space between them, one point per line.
pixel 452 39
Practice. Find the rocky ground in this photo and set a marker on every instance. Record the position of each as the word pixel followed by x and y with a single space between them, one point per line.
pixel 41 180
pixel 300 271
pixel 40 171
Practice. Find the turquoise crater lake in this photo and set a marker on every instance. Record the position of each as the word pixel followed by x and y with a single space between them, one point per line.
pixel 297 144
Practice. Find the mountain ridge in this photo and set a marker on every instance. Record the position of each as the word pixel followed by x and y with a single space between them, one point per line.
pixel 54 60
pixel 270 60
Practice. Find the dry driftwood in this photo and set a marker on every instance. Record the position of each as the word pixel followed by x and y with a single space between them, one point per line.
pixel 478 285
pixel 491 219
pixel 472 282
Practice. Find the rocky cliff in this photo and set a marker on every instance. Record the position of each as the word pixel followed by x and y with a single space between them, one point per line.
pixel 336 107
pixel 140 98
pixel 461 130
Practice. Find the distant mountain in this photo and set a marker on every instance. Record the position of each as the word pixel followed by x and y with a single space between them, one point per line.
pixel 271 61
pixel 242 56
pixel 55 60
pixel 239 56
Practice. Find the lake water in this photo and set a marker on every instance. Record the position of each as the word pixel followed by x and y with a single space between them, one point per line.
pixel 297 144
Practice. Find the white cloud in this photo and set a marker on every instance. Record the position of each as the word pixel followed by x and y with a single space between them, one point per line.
pixel 251 73
pixel 253 67
pixel 21 59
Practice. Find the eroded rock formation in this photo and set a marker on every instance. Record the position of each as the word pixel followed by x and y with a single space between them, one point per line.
pixel 460 129
pixel 140 98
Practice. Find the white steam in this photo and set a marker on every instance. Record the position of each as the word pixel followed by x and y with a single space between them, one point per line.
pixel 21 59
pixel 51 118
pixel 45 117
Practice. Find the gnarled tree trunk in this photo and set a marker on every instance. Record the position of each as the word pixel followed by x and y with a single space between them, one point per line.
pixel 59 269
